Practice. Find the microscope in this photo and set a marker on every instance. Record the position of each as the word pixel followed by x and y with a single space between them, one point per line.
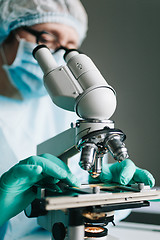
pixel 78 214
pixel 79 86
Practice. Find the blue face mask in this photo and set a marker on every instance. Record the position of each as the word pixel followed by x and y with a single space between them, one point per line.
pixel 58 56
pixel 24 73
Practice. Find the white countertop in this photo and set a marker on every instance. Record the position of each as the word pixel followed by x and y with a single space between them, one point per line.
pixel 135 231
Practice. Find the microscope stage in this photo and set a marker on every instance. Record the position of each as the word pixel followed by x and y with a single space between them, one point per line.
pixel 117 196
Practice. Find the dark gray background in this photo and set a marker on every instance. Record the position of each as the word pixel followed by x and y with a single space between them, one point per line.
pixel 124 42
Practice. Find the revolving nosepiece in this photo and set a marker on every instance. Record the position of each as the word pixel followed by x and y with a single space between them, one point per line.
pixel 95 145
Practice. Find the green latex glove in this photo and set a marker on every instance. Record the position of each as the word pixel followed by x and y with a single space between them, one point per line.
pixel 124 173
pixel 16 184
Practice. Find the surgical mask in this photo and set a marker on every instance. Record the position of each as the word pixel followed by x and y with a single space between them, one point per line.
pixel 24 73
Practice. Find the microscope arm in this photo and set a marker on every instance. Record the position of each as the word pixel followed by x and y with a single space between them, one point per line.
pixel 61 146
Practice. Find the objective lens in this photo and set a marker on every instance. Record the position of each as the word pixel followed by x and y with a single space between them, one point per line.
pixel 116 147
pixel 97 167
pixel 88 154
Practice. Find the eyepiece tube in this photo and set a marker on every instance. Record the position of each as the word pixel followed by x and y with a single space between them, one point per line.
pixel 45 58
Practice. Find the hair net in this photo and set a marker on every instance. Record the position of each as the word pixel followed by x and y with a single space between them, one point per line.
pixel 17 13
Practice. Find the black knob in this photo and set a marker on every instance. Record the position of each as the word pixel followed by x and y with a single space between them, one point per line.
pixel 59 231
pixel 35 209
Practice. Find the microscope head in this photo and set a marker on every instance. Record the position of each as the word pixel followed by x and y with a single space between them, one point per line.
pixel 78 86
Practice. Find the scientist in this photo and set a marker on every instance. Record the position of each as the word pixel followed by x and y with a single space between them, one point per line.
pixel 27 115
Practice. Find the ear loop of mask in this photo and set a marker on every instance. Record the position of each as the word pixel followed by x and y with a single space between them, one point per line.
pixel 17 36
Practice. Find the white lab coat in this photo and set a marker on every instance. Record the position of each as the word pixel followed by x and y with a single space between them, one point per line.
pixel 23 125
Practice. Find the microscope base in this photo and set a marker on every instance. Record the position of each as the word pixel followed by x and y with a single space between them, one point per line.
pixel 101 238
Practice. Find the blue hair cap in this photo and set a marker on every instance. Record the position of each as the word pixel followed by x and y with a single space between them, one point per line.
pixel 18 13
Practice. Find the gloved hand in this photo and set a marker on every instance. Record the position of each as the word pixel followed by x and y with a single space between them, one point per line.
pixel 124 173
pixel 16 184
